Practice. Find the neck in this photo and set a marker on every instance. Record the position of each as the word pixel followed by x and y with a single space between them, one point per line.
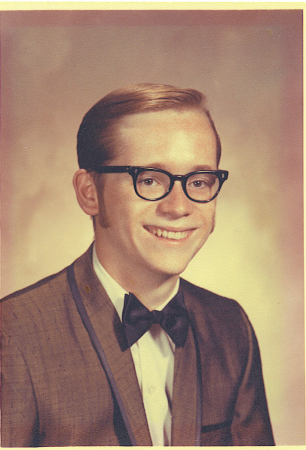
pixel 152 295
pixel 151 289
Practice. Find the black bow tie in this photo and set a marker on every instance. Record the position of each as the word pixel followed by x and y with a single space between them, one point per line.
pixel 137 319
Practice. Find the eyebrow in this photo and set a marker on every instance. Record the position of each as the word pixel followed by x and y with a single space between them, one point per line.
pixel 203 167
pixel 194 168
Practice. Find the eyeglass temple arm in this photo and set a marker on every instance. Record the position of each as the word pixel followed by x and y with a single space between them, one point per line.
pixel 114 169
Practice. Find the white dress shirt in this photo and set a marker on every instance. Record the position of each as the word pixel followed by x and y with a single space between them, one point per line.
pixel 153 356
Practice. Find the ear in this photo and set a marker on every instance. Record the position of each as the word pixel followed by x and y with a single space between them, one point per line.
pixel 86 192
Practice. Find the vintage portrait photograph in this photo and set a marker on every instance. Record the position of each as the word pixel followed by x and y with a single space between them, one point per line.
pixel 152 273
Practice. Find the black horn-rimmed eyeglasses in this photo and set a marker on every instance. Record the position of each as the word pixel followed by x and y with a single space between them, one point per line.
pixel 153 184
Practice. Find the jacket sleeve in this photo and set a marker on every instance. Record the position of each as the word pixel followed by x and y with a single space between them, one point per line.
pixel 18 406
pixel 251 423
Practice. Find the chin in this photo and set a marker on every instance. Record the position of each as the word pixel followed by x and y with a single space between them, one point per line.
pixel 172 268
pixel 169 263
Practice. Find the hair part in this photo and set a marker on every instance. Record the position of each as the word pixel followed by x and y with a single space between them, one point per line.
pixel 96 139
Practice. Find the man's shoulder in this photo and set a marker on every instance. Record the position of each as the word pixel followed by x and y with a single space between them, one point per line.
pixel 217 315
pixel 42 310
pixel 39 303
pixel 207 297
pixel 46 289
pixel 209 304
pixel 36 288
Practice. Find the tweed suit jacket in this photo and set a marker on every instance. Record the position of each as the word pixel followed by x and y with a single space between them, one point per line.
pixel 55 391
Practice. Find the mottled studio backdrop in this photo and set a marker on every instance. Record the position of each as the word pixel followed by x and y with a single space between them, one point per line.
pixel 57 64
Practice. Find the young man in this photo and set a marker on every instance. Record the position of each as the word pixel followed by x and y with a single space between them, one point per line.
pixel 117 349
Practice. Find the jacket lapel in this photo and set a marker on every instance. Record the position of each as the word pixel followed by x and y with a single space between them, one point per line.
pixel 184 401
pixel 108 328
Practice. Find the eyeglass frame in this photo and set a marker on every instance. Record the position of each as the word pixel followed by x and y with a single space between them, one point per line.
pixel 135 171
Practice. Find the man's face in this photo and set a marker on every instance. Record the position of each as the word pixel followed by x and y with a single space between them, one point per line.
pixel 160 237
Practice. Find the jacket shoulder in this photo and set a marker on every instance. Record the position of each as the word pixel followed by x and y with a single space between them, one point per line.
pixel 41 288
pixel 36 307
pixel 45 300
pixel 217 312
pixel 41 308
pixel 37 288
pixel 208 298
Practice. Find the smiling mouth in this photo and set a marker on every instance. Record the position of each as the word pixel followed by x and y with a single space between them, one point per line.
pixel 168 234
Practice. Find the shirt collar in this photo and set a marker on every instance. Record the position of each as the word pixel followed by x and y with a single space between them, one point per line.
pixel 115 292
pixel 113 289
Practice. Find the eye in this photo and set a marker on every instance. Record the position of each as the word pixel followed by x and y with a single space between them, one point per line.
pixel 198 183
pixel 201 181
pixel 152 179
pixel 147 181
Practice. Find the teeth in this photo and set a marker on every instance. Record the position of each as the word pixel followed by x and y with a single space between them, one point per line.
pixel 175 235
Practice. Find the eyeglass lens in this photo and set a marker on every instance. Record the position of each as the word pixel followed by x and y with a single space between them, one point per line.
pixel 200 186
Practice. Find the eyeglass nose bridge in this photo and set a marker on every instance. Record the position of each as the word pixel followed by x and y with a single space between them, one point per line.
pixel 182 179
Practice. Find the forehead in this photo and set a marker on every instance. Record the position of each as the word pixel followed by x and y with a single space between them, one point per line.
pixel 167 119
pixel 165 135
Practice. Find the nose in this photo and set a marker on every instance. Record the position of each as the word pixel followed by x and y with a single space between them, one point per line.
pixel 176 204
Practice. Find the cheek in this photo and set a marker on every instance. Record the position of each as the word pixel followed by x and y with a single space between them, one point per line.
pixel 110 202
pixel 213 219
pixel 208 220
pixel 121 213
pixel 213 224
pixel 207 212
